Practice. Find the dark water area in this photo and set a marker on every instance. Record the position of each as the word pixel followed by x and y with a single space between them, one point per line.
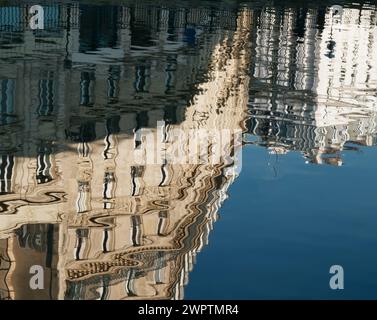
pixel 294 83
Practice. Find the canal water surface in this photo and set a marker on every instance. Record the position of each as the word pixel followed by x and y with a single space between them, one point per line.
pixel 93 94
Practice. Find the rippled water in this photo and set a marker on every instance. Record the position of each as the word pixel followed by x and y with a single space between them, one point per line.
pixel 298 83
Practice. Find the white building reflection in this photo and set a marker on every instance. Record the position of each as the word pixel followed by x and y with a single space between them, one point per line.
pixel 314 81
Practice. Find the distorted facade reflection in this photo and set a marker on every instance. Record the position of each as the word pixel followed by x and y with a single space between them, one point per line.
pixel 73 199
pixel 73 96
pixel 314 81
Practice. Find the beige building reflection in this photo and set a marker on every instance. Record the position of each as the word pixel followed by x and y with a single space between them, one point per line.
pixel 102 226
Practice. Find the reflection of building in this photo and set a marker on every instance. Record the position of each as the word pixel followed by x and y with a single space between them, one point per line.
pixel 314 81
pixel 73 200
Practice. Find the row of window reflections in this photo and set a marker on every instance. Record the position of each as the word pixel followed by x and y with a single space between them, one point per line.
pixel 109 184
pixel 47 91
pixel 136 234
pixel 43 173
